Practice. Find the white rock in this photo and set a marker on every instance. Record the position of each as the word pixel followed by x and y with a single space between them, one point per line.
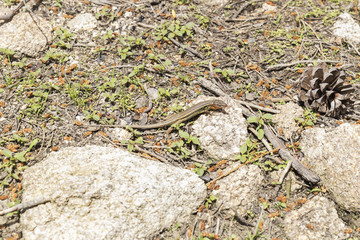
pixel 221 134
pixel 334 155
pixel 106 193
pixel 286 118
pixel 239 191
pixel 23 35
pixel 316 219
pixel 217 3
pixel 83 21
pixel 347 28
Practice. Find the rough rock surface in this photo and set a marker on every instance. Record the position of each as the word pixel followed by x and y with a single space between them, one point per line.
pixel 221 134
pixel 239 191
pixel 84 21
pixel 106 193
pixel 215 3
pixel 286 118
pixel 347 28
pixel 334 155
pixel 23 35
pixel 316 219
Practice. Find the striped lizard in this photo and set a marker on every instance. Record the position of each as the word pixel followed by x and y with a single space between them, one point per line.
pixel 179 117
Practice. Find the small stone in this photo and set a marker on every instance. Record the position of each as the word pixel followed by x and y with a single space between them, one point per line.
pixel 84 21
pixel 22 35
pixel 347 28
pixel 221 134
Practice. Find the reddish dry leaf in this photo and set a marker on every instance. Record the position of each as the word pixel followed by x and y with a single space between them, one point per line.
pixel 68 138
pixel 309 226
pixel 12 147
pixel 202 225
pixel 102 133
pixel 3 197
pixel 301 201
pixel 2 104
pixel 88 133
pixel 274 214
pixel 68 16
pixel 72 67
pixel 55 148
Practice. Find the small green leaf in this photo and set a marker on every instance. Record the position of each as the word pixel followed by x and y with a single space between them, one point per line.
pixel 267 116
pixel 184 135
pixel 195 140
pixel 33 143
pixel 260 134
pixel 7 153
pixel 20 156
pixel 252 119
pixel 171 35
pixel 243 148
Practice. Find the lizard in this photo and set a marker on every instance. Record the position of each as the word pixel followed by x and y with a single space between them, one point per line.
pixel 177 118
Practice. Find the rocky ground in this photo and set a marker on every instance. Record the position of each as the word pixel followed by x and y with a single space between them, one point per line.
pixel 68 64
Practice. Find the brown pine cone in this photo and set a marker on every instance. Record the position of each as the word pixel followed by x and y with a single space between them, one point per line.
pixel 324 90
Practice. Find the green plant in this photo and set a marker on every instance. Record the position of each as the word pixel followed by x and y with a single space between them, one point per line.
pixel 260 122
pixel 210 201
pixel 55 55
pixel 105 12
pixel 200 169
pixel 245 151
pixel 168 93
pixel 131 143
pixel 64 37
pixel 179 147
pixel 36 104
pixel 127 44
pixel 204 21
pixel 226 73
pixel 174 29
pixel 9 164
pixel 308 120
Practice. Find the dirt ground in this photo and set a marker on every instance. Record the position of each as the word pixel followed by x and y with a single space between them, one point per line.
pixel 107 74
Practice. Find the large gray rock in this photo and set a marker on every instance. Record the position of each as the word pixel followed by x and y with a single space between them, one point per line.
pixel 316 219
pixel 106 193
pixel 334 155
pixel 25 34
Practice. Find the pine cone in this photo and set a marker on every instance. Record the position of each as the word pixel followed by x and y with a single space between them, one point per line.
pixel 323 90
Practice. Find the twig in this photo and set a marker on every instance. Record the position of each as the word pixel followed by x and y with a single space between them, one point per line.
pixel 280 66
pixel 284 153
pixel 245 19
pixel 25 205
pixel 8 16
pixel 263 140
pixel 242 9
pixel 256 228
pixel 210 86
pixel 317 37
pixel 251 105
pixel 211 183
pixel 186 48
pixel 137 148
pixel 286 171
pixel 357 51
